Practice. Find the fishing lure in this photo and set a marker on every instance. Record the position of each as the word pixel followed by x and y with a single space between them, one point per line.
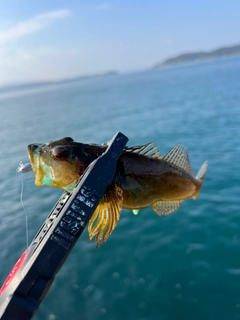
pixel 23 168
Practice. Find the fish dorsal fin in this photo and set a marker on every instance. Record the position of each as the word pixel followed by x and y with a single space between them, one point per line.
pixel 163 208
pixel 179 157
pixel 149 150
pixel 106 216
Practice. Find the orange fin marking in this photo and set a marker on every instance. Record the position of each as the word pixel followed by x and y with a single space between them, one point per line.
pixel 108 212
pixel 94 230
pixel 104 222
pixel 164 208
pixel 90 224
pixel 110 226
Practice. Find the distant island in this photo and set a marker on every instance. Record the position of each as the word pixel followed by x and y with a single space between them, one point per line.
pixel 201 56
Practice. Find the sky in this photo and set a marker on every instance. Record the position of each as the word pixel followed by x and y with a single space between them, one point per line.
pixel 50 40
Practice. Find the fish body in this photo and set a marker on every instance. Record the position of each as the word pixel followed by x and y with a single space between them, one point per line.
pixel 147 180
pixel 143 178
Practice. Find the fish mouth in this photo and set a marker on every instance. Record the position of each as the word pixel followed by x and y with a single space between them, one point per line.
pixel 41 170
pixel 47 171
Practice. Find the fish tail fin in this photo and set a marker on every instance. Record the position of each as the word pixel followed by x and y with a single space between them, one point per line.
pixel 201 176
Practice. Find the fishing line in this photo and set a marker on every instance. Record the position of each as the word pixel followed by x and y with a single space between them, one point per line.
pixel 24 209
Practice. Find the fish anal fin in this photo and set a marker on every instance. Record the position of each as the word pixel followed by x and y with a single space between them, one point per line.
pixel 178 156
pixel 106 216
pixel 149 150
pixel 164 208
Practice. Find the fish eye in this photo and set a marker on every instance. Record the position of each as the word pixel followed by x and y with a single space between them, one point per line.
pixel 60 153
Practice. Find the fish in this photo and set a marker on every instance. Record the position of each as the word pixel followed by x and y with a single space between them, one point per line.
pixel 143 178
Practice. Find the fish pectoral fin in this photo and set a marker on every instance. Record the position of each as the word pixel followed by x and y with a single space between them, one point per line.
pixel 106 216
pixel 178 156
pixel 163 208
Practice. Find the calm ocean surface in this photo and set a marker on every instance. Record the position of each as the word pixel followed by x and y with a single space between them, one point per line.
pixel 183 266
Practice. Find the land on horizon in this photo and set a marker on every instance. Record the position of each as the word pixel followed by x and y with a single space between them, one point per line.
pixel 185 58
pixel 37 84
pixel 198 56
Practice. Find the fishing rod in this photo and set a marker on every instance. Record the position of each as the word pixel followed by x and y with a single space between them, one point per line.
pixel 32 276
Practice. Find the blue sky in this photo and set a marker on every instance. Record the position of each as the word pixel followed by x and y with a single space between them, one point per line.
pixel 48 40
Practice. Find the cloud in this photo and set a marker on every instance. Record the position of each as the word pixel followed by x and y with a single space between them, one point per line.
pixel 39 64
pixel 32 25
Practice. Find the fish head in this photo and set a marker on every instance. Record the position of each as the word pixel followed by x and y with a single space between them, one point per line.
pixel 58 163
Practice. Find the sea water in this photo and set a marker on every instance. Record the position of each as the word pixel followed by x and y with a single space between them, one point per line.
pixel 182 266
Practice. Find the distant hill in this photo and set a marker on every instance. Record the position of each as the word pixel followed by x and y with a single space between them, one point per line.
pixel 201 56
